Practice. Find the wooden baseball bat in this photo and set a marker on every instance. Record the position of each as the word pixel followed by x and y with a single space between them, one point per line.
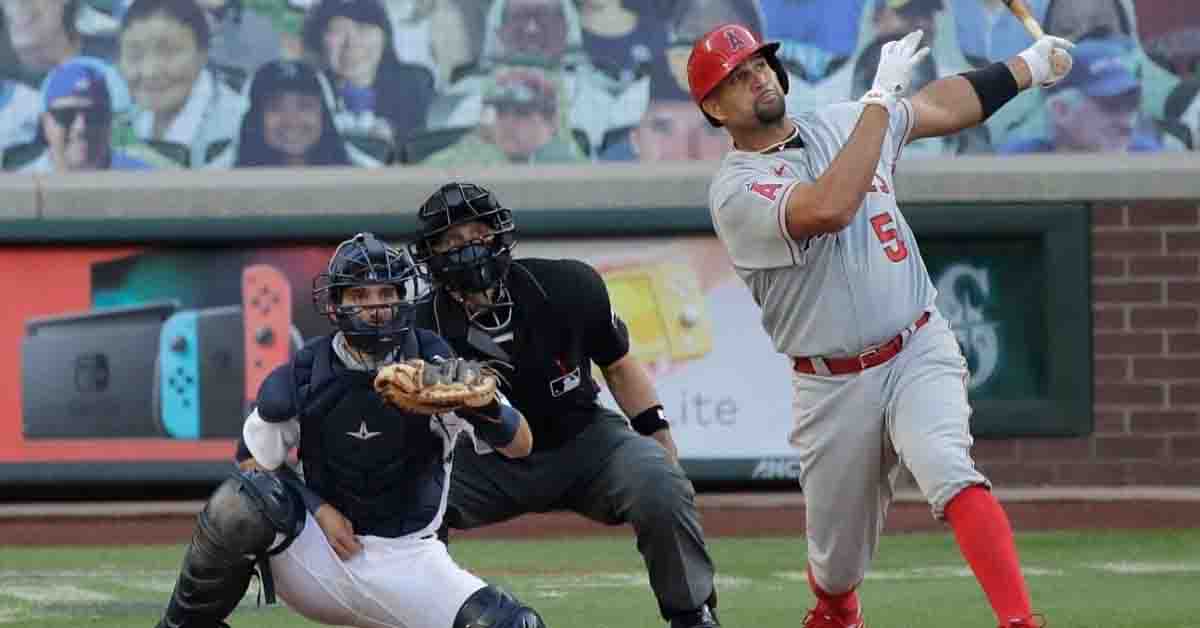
pixel 1060 60
pixel 1021 10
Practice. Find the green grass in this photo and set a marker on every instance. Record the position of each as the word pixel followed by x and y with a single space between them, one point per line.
pixel 1079 580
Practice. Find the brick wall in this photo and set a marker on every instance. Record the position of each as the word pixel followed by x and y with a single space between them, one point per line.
pixel 1146 316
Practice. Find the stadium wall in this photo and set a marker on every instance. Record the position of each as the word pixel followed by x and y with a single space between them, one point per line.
pixel 1145 260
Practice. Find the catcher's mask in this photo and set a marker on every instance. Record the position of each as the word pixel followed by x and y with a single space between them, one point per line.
pixel 366 260
pixel 476 266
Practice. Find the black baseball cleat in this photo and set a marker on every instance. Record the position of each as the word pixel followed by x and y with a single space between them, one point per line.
pixel 703 617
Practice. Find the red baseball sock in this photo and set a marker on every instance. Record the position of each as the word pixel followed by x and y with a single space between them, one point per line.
pixel 985 539
pixel 840 604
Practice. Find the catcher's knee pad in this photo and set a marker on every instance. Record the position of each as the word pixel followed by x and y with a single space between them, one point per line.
pixel 491 607
pixel 250 515
pixel 264 503
pixel 244 516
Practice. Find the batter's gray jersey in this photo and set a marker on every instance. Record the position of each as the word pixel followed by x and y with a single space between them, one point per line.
pixel 831 294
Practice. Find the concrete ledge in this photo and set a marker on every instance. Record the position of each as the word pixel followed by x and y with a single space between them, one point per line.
pixel 20 194
pixel 351 191
pixel 342 191
pixel 1058 177
pixel 222 194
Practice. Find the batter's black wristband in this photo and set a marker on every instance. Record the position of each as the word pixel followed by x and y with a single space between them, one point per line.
pixel 995 85
pixel 650 420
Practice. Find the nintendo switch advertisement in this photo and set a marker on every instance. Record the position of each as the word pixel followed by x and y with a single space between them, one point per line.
pixel 121 355
pixel 144 354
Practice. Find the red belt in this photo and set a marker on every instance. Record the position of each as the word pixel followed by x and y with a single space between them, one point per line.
pixel 871 357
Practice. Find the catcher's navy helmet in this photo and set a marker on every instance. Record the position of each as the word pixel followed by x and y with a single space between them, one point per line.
pixel 476 266
pixel 366 260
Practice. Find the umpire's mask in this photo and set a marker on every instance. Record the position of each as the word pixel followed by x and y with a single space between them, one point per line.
pixel 472 266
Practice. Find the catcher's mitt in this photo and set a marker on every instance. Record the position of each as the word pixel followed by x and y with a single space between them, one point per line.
pixel 435 387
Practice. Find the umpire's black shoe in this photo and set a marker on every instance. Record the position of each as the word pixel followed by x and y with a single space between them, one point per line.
pixel 703 617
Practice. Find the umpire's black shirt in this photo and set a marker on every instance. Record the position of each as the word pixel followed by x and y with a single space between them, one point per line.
pixel 562 322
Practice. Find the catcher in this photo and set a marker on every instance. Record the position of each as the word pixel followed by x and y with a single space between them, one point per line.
pixel 543 323
pixel 376 409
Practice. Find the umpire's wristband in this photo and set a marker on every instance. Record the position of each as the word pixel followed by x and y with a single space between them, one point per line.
pixel 650 420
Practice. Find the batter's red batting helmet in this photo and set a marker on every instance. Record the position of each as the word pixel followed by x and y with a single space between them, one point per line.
pixel 719 51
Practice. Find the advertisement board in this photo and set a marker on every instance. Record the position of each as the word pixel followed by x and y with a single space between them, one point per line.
pixel 139 363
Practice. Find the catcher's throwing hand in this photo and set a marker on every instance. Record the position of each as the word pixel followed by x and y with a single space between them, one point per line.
pixel 338 530
pixel 435 387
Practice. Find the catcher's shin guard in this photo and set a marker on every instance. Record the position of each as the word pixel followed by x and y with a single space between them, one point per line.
pixel 490 607
pixel 238 526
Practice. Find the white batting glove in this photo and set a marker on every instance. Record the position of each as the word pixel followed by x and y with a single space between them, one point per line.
pixel 1048 60
pixel 896 62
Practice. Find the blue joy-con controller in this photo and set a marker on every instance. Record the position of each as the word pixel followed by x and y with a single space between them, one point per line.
pixel 201 360
pixel 179 375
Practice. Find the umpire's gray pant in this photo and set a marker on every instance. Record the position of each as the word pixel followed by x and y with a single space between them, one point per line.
pixel 608 473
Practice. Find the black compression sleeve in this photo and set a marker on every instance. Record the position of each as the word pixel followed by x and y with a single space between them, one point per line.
pixel 995 86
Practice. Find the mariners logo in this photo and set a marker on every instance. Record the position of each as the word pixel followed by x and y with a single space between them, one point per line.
pixel 963 294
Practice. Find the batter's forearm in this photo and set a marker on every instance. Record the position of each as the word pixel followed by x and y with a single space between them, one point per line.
pixel 960 102
pixel 946 106
pixel 829 204
pixel 953 103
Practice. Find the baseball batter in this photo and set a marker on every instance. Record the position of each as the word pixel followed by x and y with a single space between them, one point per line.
pixel 806 207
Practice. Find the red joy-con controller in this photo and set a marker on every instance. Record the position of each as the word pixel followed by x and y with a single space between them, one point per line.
pixel 267 312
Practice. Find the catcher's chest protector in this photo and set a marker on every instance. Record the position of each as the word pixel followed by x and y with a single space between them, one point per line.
pixel 382 468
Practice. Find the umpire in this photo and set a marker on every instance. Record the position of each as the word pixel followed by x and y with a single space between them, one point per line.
pixel 542 323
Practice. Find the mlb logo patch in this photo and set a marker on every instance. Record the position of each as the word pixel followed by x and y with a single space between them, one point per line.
pixel 566 383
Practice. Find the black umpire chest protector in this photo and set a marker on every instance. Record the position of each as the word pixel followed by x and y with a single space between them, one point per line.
pixel 547 374
pixel 382 468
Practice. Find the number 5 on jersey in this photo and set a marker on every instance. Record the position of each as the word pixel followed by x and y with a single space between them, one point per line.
pixel 885 230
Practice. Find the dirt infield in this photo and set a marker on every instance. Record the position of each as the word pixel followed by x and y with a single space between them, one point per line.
pixel 722 515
